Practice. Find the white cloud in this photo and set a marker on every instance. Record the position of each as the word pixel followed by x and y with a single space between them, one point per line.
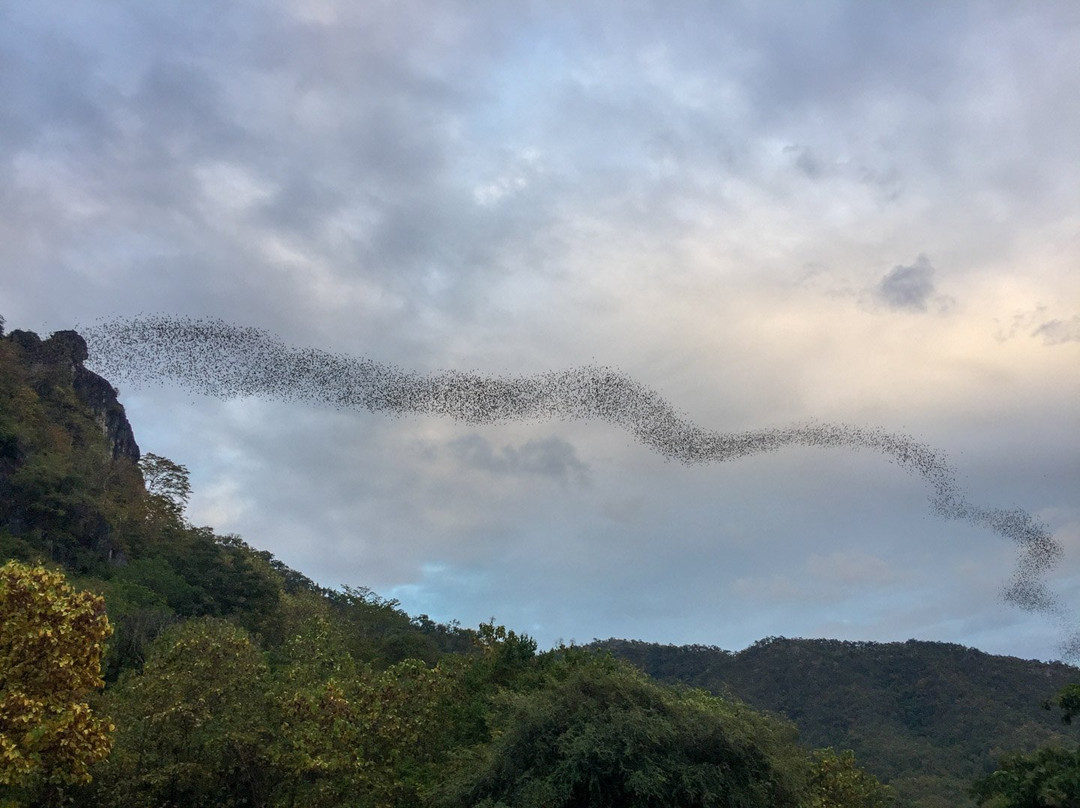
pixel 520 190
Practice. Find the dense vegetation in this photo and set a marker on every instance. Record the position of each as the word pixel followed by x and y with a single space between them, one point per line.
pixel 50 661
pixel 929 718
pixel 232 680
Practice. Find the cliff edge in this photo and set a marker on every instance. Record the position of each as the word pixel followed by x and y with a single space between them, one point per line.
pixel 67 351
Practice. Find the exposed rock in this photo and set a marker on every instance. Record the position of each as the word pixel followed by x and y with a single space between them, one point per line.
pixel 100 396
pixel 67 350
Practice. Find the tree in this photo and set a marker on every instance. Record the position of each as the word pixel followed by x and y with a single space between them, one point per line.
pixel 599 733
pixel 837 782
pixel 50 658
pixel 166 482
pixel 353 735
pixel 193 725
pixel 1068 699
pixel 1047 778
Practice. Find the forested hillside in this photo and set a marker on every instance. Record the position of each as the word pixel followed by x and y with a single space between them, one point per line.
pixel 146 661
pixel 926 717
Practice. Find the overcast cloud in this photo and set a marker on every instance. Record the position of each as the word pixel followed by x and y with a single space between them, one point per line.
pixel 767 212
pixel 908 287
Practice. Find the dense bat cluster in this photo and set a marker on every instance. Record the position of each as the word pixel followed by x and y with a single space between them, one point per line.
pixel 224 360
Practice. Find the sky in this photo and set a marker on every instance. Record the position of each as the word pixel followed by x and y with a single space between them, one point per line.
pixel 769 213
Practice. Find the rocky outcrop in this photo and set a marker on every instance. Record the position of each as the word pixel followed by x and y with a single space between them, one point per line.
pixel 67 350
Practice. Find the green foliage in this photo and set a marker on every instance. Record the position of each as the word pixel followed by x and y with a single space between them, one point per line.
pixel 1047 778
pixel 497 658
pixel 837 782
pixel 192 725
pixel 208 723
pixel 504 654
pixel 51 640
pixel 362 739
pixel 1068 699
pixel 601 734
pixel 166 482
pixel 927 718
pixel 379 631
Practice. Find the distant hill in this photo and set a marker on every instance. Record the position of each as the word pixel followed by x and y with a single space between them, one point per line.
pixel 926 717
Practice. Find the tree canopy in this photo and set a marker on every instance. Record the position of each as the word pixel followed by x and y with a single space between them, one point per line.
pixel 598 733
pixel 50 659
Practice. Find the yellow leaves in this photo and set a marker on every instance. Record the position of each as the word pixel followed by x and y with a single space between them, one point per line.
pixel 351 735
pixel 50 658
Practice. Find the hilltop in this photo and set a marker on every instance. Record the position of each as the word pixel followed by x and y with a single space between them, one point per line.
pixel 926 717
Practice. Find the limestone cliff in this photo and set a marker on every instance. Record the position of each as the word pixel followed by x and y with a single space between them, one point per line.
pixel 67 350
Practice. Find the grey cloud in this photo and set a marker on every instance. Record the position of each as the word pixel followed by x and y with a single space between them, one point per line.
pixel 548 457
pixel 372 135
pixel 1021 320
pixel 1057 332
pixel 301 204
pixel 59 104
pixel 907 287
pixel 823 164
pixel 809 162
pixel 351 123
pixel 180 106
pixel 401 112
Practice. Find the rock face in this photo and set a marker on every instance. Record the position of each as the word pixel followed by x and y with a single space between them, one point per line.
pixel 65 441
pixel 68 350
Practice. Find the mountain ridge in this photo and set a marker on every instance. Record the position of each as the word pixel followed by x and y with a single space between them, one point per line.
pixel 927 717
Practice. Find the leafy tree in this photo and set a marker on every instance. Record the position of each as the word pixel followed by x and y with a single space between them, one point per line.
pixel 193 725
pixel 353 735
pixel 504 653
pixel 50 660
pixel 1047 778
pixel 167 482
pixel 208 723
pixel 837 782
pixel 602 734
pixel 362 740
pixel 379 631
pixel 1068 699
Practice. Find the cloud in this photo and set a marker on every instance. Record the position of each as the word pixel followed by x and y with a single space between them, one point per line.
pixel 851 568
pixel 822 579
pixel 1057 332
pixel 907 288
pixel 1020 321
pixel 516 190
pixel 546 457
